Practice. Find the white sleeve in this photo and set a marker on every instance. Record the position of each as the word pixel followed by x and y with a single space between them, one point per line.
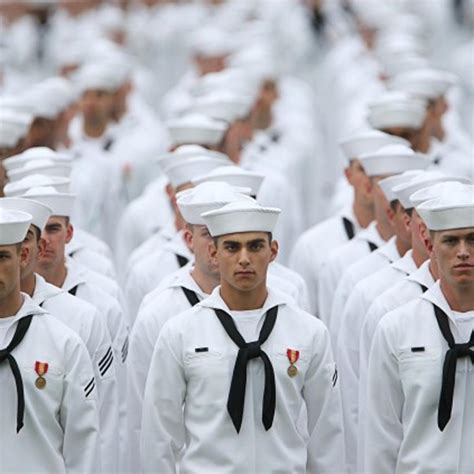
pixel 133 294
pixel 106 378
pixel 79 416
pixel 323 402
pixel 299 263
pixel 341 295
pixel 347 357
pixel 365 344
pixel 326 287
pixel 120 344
pixel 384 430
pixel 141 349
pixel 163 432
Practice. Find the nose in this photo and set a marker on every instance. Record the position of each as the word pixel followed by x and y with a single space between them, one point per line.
pixel 244 258
pixel 463 251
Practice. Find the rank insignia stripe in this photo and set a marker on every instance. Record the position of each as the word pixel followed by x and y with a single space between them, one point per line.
pixel 89 387
pixel 125 350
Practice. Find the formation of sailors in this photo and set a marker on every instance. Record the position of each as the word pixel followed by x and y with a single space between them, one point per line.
pixel 236 236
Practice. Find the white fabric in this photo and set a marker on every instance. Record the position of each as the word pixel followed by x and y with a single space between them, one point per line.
pixel 453 210
pixel 363 267
pixel 162 304
pixel 18 188
pixel 61 424
pixel 245 216
pixel 403 292
pixel 90 290
pixel 402 434
pixel 14 226
pixel 347 345
pixel 91 327
pixel 338 261
pixel 203 380
pixel 313 247
pixel 39 212
pixel 61 204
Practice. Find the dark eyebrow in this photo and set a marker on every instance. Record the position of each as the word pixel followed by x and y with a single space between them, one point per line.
pixel 5 253
pixel 256 241
pixel 234 242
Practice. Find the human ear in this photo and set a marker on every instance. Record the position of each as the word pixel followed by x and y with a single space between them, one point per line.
pixel 69 233
pixel 273 250
pixel 212 252
pixel 24 256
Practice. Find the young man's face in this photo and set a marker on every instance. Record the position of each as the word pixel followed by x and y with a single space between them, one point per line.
pixel 56 234
pixel 243 259
pixel 10 261
pixel 454 250
pixel 97 106
pixel 361 183
pixel 402 224
pixel 198 240
pixel 35 244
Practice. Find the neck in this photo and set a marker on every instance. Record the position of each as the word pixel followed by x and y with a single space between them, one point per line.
pixel 204 281
pixel 94 129
pixel 433 267
pixel 459 297
pixel 418 257
pixel 28 284
pixel 10 305
pixel 385 231
pixel 363 214
pixel 238 300
pixel 54 274
pixel 402 246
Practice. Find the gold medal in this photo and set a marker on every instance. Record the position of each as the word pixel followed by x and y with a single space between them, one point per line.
pixel 40 383
pixel 292 370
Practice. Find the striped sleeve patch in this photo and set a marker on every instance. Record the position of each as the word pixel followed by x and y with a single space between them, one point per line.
pixel 89 388
pixel 106 362
pixel 125 350
pixel 335 377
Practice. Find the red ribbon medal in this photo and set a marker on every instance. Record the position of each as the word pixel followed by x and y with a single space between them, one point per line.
pixel 41 368
pixel 293 357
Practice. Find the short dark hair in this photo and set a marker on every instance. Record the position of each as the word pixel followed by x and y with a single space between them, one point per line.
pixel 394 205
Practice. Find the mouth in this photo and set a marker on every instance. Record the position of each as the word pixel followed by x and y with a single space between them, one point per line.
pixel 244 274
pixel 463 266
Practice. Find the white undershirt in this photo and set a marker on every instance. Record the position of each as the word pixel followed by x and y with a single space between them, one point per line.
pixel 465 324
pixel 5 324
pixel 247 323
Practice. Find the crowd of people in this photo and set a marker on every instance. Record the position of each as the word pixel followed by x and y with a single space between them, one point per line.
pixel 236 236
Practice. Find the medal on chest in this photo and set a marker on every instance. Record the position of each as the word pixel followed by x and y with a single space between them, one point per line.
pixel 41 368
pixel 293 357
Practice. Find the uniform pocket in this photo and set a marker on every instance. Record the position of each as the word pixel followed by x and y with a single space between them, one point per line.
pixel 208 374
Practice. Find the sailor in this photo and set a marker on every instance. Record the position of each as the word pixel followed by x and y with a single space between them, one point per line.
pixel 203 400
pixel 406 290
pixel 313 246
pixel 146 274
pixel 84 247
pixel 49 398
pixel 79 316
pixel 236 176
pixel 376 273
pixel 388 160
pixel 177 293
pixel 86 285
pixel 420 376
